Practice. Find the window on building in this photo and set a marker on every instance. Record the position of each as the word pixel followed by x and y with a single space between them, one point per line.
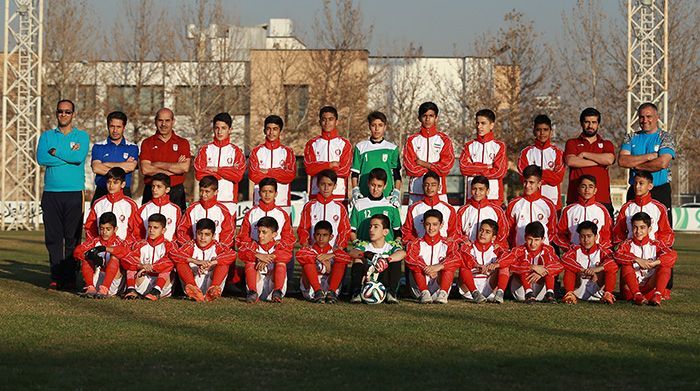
pixel 124 98
pixel 296 104
pixel 210 100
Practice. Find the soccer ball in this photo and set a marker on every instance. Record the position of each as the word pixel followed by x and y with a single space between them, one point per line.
pixel 373 292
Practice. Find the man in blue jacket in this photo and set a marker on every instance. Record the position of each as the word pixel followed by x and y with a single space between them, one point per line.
pixel 62 151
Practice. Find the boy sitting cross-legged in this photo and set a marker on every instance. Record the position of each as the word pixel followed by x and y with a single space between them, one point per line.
pixel 203 263
pixel 645 263
pixel 323 266
pixel 148 264
pixel 478 274
pixel 99 260
pixel 586 264
pixel 266 264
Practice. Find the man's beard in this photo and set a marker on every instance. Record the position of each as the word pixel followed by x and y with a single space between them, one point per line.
pixel 588 133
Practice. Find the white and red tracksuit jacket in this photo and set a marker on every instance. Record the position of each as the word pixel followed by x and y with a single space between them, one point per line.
pixel 576 213
pixel 433 147
pixel 163 206
pixel 646 248
pixel 578 258
pixel 120 248
pixel 480 254
pixel 412 227
pixel 223 254
pixel 551 160
pixel 230 163
pixel 212 209
pixel 474 212
pixel 154 252
pixel 249 232
pixel 307 255
pixel 280 163
pixel 660 228
pixel 431 250
pixel 485 156
pixel 526 209
pixel 282 253
pixel 327 209
pixel 122 206
pixel 320 151
pixel 520 259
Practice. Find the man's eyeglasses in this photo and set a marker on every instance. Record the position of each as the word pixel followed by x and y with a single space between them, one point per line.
pixel 69 112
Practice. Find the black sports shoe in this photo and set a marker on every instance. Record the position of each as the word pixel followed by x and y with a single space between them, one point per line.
pixel 277 296
pixel 319 297
pixel 331 297
pixel 251 297
pixel 549 298
pixel 131 294
pixel 529 298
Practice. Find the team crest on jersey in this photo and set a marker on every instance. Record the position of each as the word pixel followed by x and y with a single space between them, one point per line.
pixel 385 157
pixel 600 145
pixel 125 155
pixel 170 221
pixel 540 216
pixel 175 147
pixel 229 160
pixel 216 222
pixel 595 221
pixel 336 218
pixel 575 220
pixel 385 213
pixel 418 148
pixel 337 152
pixel 550 164
pixel 282 163
pixel 491 155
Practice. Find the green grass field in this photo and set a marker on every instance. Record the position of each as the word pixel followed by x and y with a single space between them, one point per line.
pixel 60 341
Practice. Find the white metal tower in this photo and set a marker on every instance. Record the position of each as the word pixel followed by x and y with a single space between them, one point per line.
pixel 21 114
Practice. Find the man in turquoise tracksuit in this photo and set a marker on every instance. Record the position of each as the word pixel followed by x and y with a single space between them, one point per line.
pixel 62 151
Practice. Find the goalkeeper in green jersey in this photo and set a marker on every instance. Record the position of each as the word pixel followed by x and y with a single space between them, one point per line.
pixel 374 203
pixel 376 153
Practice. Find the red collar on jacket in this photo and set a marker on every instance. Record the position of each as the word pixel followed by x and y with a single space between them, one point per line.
pixel 482 246
pixel 485 138
pixel 267 207
pixel 162 200
pixel 428 132
pixel 272 144
pixel 536 252
pixel 643 200
pixel 479 204
pixel 543 145
pixel 590 250
pixel 329 135
pixel 156 241
pixel 320 198
pixel 267 246
pixel 534 196
pixel 208 204
pixel 322 250
pixel 222 143
pixel 207 247
pixel 431 200
pixel 642 242
pixel 587 202
pixel 118 196
pixel 432 240
pixel 111 241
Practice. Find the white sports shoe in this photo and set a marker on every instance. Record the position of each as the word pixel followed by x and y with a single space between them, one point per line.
pixel 441 297
pixel 425 297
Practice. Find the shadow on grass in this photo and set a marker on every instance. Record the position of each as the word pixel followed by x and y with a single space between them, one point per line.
pixel 32 273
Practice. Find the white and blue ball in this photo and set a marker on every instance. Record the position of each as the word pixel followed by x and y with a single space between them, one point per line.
pixel 373 292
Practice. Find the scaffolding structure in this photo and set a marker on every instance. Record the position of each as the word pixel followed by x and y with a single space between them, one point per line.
pixel 21 115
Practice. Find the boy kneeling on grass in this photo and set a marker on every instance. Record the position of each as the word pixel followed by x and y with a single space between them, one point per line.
pixel 323 266
pixel 646 263
pixel 99 259
pixel 203 263
pixel 586 264
pixel 148 264
pixel 266 264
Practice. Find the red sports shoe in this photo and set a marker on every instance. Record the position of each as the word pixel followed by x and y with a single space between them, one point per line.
pixel 666 295
pixel 194 293
pixel 656 299
pixel 213 293
pixel 570 298
pixel 639 299
pixel 607 298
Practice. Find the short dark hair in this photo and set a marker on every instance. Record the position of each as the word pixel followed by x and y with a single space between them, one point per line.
pixel 268 182
pixel 328 109
pixel 534 229
pixel 222 117
pixel 487 113
pixel 158 218
pixel 589 112
pixel 377 173
pixel 642 216
pixel 116 115
pixel 268 222
pixel 433 213
pixel 327 173
pixel 209 181
pixel 72 105
pixel 425 106
pixel 431 174
pixel 108 218
pixel 376 115
pixel 588 177
pixel 205 223
pixel 647 105
pixel 116 173
pixel 386 223
pixel 325 225
pixel 491 223
pixel 160 177
pixel 274 119
pixel 542 119
pixel 644 174
pixel 532 170
pixel 480 179
pixel 587 225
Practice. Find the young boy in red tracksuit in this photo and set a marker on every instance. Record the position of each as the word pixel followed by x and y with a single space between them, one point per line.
pixel 427 150
pixel 586 264
pixel 477 209
pixel 222 160
pixel 99 259
pixel 413 228
pixel 485 156
pixel 432 260
pixel 328 151
pixel 207 207
pixel 323 266
pixel 546 156
pixel 584 209
pixel 533 263
pixel 148 264
pixel 160 203
pixel 266 264
pixel 266 207
pixel 645 263
pixel 203 264
pixel 477 273
pixel 530 207
pixel 325 207
pixel 116 202
pixel 273 160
